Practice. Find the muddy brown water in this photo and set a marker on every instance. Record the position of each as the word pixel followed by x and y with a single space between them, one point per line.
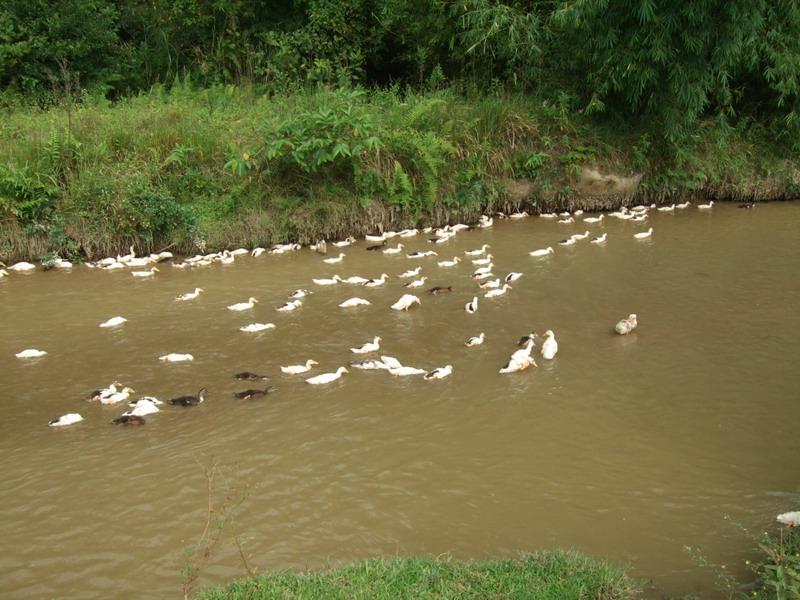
pixel 629 448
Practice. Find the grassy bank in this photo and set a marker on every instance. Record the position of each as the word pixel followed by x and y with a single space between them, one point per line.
pixel 204 169
pixel 545 575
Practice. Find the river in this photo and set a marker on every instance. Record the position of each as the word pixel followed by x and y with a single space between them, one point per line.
pixel 628 448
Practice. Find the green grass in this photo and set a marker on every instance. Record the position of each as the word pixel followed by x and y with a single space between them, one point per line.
pixel 202 169
pixel 556 575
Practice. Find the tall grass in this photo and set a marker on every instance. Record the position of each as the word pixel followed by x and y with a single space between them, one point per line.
pixel 189 168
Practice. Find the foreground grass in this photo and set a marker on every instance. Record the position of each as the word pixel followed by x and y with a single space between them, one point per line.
pixel 204 169
pixel 556 575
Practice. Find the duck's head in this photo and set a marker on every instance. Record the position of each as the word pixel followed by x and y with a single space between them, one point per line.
pixel 310 362
pixel 128 390
pixel 549 333
pixel 252 301
pixel 202 393
pixel 341 370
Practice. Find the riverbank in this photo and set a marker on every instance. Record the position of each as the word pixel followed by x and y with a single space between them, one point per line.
pixel 200 170
pixel 544 575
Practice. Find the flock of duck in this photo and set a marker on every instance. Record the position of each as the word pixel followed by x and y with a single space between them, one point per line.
pixel 490 286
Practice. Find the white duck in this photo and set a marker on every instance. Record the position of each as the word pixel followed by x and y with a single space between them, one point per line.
pixel 256 327
pixel 353 302
pixel 475 340
pixel 567 220
pixel 117 397
pixel 396 250
pixel 497 292
pixel 30 353
pixel 406 371
pixel 257 252
pixel 298 369
pixel 513 276
pixel 644 234
pixel 548 216
pixel 327 377
pixel 439 373
pixel 299 294
pixel 375 238
pixel 335 260
pixel 355 280
pixel 240 306
pixel 670 208
pixel 114 322
pixel 377 282
pixel 490 285
pixel 22 266
pixel 189 295
pixel 549 346
pixel 369 365
pixel 518 215
pixel 792 519
pixel 542 252
pixel 405 302
pixel 64 420
pixel 683 205
pixel 176 357
pixel 3 273
pixel 421 254
pixel 416 283
pixel 391 362
pixel 600 239
pixel 626 325
pixel 344 242
pixel 143 407
pixel 472 306
pixel 483 261
pixel 290 306
pixel 593 219
pixel 372 346
pixel 708 206
pixel 410 273
pixel 478 252
pixel 333 281
pixel 483 270
pixel 580 236
pixel 567 242
pixel 450 263
pixel 406 233
pixel 149 273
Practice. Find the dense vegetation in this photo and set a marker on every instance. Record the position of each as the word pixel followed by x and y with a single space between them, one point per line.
pixel 542 576
pixel 203 123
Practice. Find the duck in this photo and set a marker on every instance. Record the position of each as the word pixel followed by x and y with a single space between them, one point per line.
pixel 416 283
pixel 256 327
pixel 143 407
pixel 396 250
pixel 355 280
pixel 189 295
pixel 626 325
pixel 391 362
pixel 513 276
pixel 190 400
pixel 333 281
pixel 683 205
pixel 250 394
pixel 567 220
pixel 485 222
pixel 375 238
pixel 410 273
pixel 669 208
pixel 520 359
pixel 567 242
pixel 549 346
pixel 327 377
pixel 321 247
pixel 64 420
pixel 548 216
pixel 127 419
pixel 483 261
pixel 353 302
pixel 376 247
pixel 708 206
pixel 59 263
pixel 490 284
pixel 30 353
pixel 578 212
pixel 290 306
pixel 335 260
pixel 114 322
pixel 440 290
pixel 406 371
pixel 451 263
pixel 542 251
pixel 21 267
pixel 297 369
pixel 478 252
pixel 405 302
pixel 377 282
pixel 368 346
pixel 406 233
pixel 480 276
pixel 497 292
pixel 518 215
pixel 792 519
pixel 472 306
pixel 580 236
pixel 483 270
pixel 149 273
pixel 226 258
pixel 421 254
pixel 439 373
pixel 475 340
pixel 120 396
pixel 600 239
pixel 175 357
pixel 593 219
pixel 96 395
pixel 248 376
pixel 370 365
pixel 3 273
pixel 644 234
pixel 523 341
pixel 295 295
pixel 240 306
pixel 257 252
pixel 344 242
